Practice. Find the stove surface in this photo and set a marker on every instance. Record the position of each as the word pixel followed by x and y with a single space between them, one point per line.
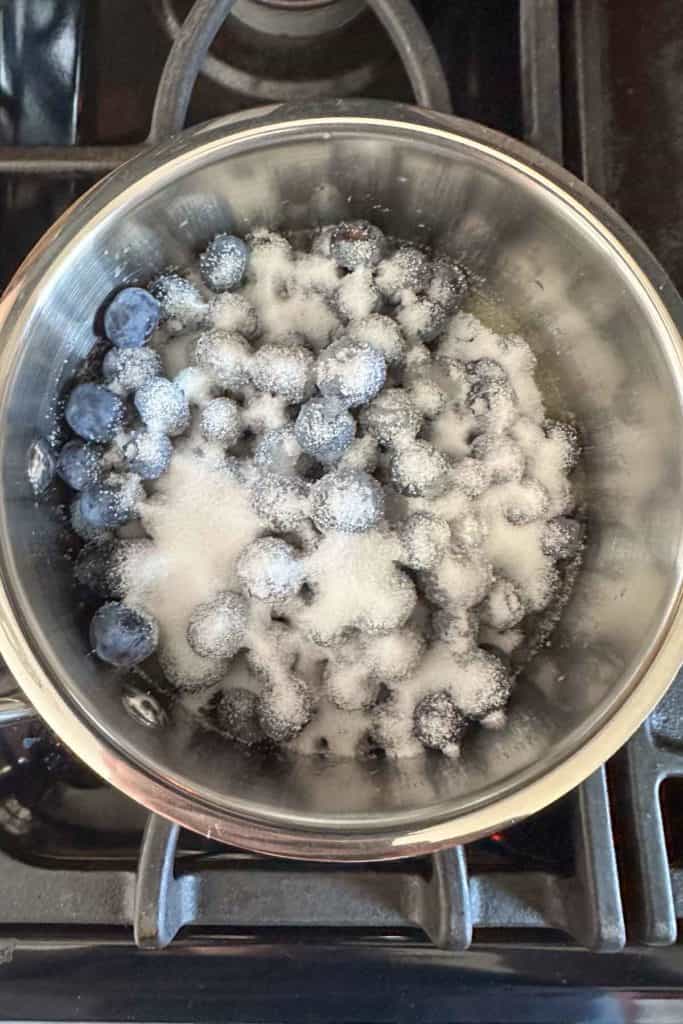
pixel 506 929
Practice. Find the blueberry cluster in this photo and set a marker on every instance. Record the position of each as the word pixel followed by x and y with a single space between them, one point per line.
pixel 403 504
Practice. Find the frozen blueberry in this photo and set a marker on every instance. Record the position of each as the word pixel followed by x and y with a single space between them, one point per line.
pixel 356 243
pixel 502 608
pixel 392 418
pixel 129 368
pixel 282 502
pixel 147 454
pixel 438 724
pixel 353 372
pixel 131 317
pixel 357 296
pixel 421 320
pixel 270 569
pixel 217 628
pixel 425 538
pixel 79 465
pixel 419 470
pixel 278 450
pixel 324 428
pixel 382 333
pixel 225 357
pixel 502 456
pixel 111 503
pixel 235 713
pixel 181 304
pixel 562 537
pixel 94 412
pixel 347 500
pixel 221 422
pixel 223 262
pixel 448 283
pixel 407 268
pixel 163 407
pixel 285 708
pixel 123 636
pixel 283 371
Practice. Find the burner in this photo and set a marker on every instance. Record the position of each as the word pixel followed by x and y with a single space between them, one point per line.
pixel 297 19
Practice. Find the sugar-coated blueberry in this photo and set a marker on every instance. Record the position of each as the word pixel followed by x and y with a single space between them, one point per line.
pixel 131 317
pixel 425 539
pixel 562 537
pixel 94 412
pixel 419 470
pixel 285 708
pixel 101 565
pixel 407 268
pixel 353 372
pixel 123 636
pixel 448 283
pixel 111 503
pixel 502 608
pixel 278 450
pixel 217 628
pixel 181 303
pixel 280 501
pixel 129 368
pixel 356 243
pixel 270 569
pixel 382 333
pixel 147 454
pixel 324 428
pixel 422 320
pixel 392 417
pixel 502 456
pixel 347 500
pixel 163 407
pixel 225 357
pixel 221 422
pixel 79 464
pixel 223 262
pixel 283 370
pixel 438 724
pixel 235 713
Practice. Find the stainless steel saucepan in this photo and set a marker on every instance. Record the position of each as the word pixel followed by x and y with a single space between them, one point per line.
pixel 604 322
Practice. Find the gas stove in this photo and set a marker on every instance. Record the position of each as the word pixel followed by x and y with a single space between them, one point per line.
pixel 109 913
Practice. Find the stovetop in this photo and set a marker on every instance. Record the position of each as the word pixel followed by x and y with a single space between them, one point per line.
pixel 108 913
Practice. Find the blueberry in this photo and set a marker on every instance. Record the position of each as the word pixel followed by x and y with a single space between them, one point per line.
pixel 408 268
pixel 356 243
pixel 180 303
pixel 223 262
pixel 270 569
pixel 108 504
pixel 123 636
pixel 282 502
pixel 425 538
pixel 221 422
pixel 79 465
pixel 235 713
pixel 422 320
pixel 353 372
pixel 392 418
pixel 438 724
pixel 502 456
pixel 147 454
pixel 285 708
pixel 130 368
pixel 347 500
pixel 225 357
pixel 562 537
pixel 419 470
pixel 217 627
pixel 131 317
pixel 448 284
pixel 324 428
pixel 502 608
pixel 93 568
pixel 278 450
pixel 94 412
pixel 487 685
pixel 357 296
pixel 163 406
pixel 383 333
pixel 283 371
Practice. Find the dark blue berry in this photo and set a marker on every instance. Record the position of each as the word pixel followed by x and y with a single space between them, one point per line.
pixel 131 317
pixel 438 724
pixel 324 428
pixel 123 636
pixel 79 464
pixel 223 262
pixel 235 713
pixel 147 454
pixel 130 368
pixel 356 243
pixel 108 504
pixel 94 412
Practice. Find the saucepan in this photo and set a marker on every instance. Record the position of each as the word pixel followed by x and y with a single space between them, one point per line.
pixel 604 322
